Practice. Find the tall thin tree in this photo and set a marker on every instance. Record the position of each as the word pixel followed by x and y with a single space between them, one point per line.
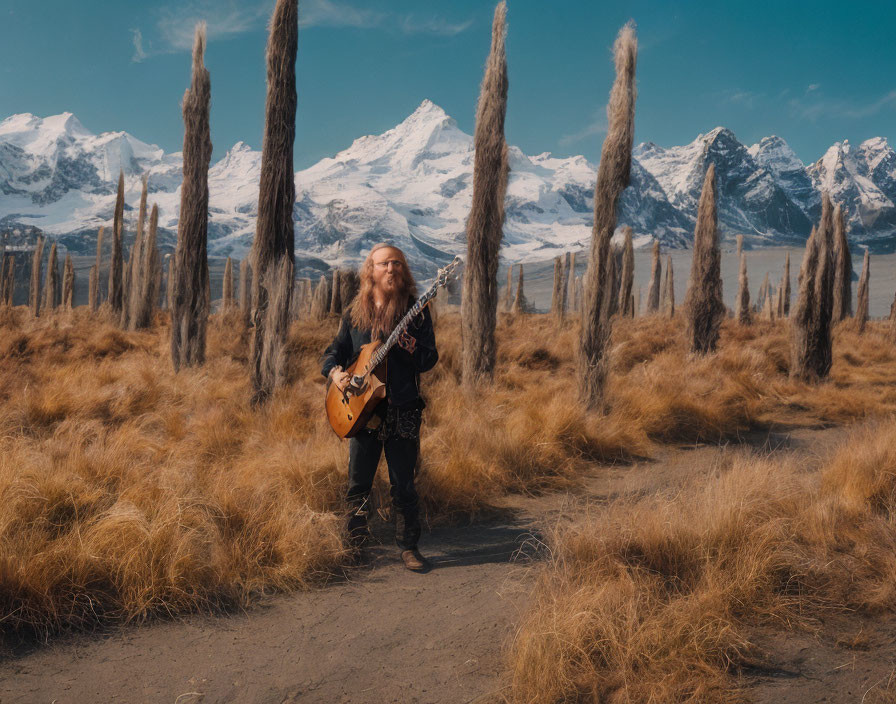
pixel 785 288
pixel 669 296
pixel 68 283
pixel 136 268
pixel 613 174
pixel 656 272
pixel 520 304
pixel 51 287
pixel 189 310
pixel 703 305
pixel 861 317
pixel 842 269
pixel 227 286
pixel 484 230
pixel 95 290
pixel 557 288
pixel 117 262
pixel 811 344
pixel 274 244
pixel 744 314
pixel 627 276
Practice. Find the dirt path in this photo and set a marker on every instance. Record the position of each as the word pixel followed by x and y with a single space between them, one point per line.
pixel 388 635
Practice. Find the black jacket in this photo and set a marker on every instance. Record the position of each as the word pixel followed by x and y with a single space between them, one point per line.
pixel 402 368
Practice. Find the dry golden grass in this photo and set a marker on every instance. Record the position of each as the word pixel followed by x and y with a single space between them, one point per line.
pixel 650 601
pixel 129 491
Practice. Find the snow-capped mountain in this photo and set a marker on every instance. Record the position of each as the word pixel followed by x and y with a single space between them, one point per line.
pixel 413 185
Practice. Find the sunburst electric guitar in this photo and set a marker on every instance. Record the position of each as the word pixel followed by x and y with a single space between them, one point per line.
pixel 349 410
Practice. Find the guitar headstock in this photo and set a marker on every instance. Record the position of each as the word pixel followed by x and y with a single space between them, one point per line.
pixel 448 271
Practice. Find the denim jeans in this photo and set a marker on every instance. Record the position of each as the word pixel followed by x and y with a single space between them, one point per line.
pixel 401 451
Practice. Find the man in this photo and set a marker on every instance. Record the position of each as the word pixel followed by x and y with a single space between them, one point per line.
pixel 386 293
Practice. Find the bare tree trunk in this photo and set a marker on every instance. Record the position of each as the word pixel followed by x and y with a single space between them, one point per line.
pixel 520 304
pixel 744 315
pixel 740 245
pixel 335 295
pixel 785 286
pixel 479 301
pixel 189 310
pixel 653 290
pixel 52 279
pixel 613 174
pixel 273 249
pixel 669 307
pixel 556 291
pixel 116 265
pixel 68 283
pixel 320 303
pixel 861 318
pixel 613 266
pixel 349 283
pixel 136 273
pixel 763 294
pixel 564 285
pixel 34 294
pixel 147 293
pixel 508 292
pixel 811 353
pixel 169 287
pixel 571 285
pixel 768 312
pixel 95 293
pixel 244 288
pixel 92 289
pixel 704 308
pixel 627 276
pixel 11 280
pixel 842 269
pixel 227 287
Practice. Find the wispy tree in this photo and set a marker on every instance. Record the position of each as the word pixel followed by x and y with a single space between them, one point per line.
pixel 842 269
pixel 51 287
pixel 656 272
pixel 274 244
pixel 116 286
pixel 861 317
pixel 68 283
pixel 744 315
pixel 811 345
pixel 520 304
pixel 627 276
pixel 704 308
pixel 669 295
pixel 613 175
pixel 189 306
pixel 479 300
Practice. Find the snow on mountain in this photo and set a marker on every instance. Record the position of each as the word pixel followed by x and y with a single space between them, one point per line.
pixel 413 185
pixel 864 181
pixel 750 199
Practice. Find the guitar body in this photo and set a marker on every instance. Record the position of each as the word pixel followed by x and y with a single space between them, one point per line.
pixel 348 413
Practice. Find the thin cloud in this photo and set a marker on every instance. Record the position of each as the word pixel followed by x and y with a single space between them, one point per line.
pixel 821 108
pixel 597 126
pixel 741 97
pixel 224 19
pixel 434 25
pixel 813 87
pixel 326 13
pixel 139 53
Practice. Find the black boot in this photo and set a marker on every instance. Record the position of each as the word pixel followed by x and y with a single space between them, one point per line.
pixel 407 528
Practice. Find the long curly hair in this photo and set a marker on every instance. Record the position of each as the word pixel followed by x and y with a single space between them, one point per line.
pixel 381 321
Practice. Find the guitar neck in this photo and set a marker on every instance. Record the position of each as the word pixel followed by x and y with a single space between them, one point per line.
pixel 383 349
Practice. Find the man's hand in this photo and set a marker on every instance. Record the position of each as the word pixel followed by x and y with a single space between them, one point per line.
pixel 407 342
pixel 339 377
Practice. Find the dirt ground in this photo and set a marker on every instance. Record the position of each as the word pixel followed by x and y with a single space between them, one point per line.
pixel 388 635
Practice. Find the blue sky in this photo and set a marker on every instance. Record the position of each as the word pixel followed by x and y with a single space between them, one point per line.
pixel 810 72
